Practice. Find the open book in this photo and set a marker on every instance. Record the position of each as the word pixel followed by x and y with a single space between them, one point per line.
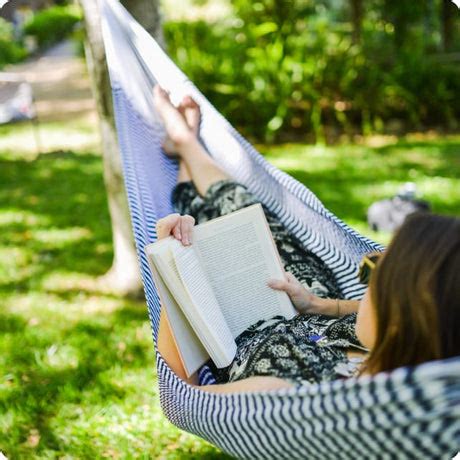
pixel 216 288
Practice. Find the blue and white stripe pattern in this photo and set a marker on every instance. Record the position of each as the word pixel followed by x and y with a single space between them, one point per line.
pixel 410 413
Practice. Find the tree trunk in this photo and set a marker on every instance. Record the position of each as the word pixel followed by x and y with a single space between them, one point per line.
pixel 123 277
pixel 147 13
pixel 448 14
pixel 357 19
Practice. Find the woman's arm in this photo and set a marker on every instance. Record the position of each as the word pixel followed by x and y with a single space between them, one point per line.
pixel 169 352
pixel 306 302
pixel 334 307
pixel 251 384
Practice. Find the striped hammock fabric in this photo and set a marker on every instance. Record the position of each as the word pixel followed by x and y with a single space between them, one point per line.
pixel 410 413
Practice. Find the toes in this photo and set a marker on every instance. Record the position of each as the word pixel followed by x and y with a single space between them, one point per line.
pixel 161 97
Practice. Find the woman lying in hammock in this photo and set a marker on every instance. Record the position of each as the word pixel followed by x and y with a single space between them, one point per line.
pixel 410 313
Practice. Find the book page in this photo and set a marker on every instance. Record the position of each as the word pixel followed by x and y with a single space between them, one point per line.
pixel 218 337
pixel 193 299
pixel 239 256
pixel 191 351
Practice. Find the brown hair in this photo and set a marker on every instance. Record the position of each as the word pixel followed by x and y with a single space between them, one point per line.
pixel 415 292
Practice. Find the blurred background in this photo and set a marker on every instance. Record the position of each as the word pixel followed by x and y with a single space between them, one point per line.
pixel 359 100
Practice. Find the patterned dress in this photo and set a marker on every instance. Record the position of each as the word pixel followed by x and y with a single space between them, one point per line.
pixel 306 349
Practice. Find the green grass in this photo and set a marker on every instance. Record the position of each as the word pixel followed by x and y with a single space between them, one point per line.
pixel 77 368
pixel 349 178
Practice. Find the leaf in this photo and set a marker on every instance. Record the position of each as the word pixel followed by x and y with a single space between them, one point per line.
pixel 276 51
pixel 222 88
pixel 264 29
pixel 275 123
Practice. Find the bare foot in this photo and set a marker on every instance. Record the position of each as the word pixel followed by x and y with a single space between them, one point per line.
pixel 191 112
pixel 182 124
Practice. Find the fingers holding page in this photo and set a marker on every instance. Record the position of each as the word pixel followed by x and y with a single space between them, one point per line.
pixel 166 225
pixel 180 227
pixel 187 223
pixel 176 231
pixel 281 285
pixel 303 300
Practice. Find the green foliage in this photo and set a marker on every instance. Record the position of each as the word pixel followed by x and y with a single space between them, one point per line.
pixel 10 50
pixel 403 14
pixel 53 24
pixel 277 69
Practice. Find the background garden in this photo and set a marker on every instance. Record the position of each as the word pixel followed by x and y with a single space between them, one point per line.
pixel 352 98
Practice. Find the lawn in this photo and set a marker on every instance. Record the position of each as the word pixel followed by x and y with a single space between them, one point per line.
pixel 348 178
pixel 77 377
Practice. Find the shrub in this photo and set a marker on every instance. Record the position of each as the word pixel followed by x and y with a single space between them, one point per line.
pixel 10 50
pixel 268 81
pixel 53 24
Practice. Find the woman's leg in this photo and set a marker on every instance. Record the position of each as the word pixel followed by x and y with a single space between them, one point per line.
pixel 203 170
pixel 182 126
pixel 184 173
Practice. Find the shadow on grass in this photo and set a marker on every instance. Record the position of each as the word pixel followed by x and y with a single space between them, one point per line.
pixel 448 149
pixel 53 214
pixel 63 195
pixel 45 397
pixel 11 324
pixel 38 390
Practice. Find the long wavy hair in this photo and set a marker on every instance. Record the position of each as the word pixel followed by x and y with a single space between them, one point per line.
pixel 415 291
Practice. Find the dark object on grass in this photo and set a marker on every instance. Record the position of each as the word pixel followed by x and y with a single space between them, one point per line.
pixel 389 214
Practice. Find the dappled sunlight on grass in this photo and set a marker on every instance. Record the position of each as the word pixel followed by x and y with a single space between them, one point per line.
pixel 27 140
pixel 349 178
pixel 63 304
pixel 77 362
pixel 60 235
pixel 66 283
pixel 20 216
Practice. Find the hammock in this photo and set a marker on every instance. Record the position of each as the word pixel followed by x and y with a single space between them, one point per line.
pixel 409 413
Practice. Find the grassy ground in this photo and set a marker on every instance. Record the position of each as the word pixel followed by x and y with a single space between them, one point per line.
pixel 77 375
pixel 348 178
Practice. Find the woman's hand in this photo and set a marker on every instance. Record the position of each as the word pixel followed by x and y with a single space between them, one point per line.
pixel 182 123
pixel 180 227
pixel 304 301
